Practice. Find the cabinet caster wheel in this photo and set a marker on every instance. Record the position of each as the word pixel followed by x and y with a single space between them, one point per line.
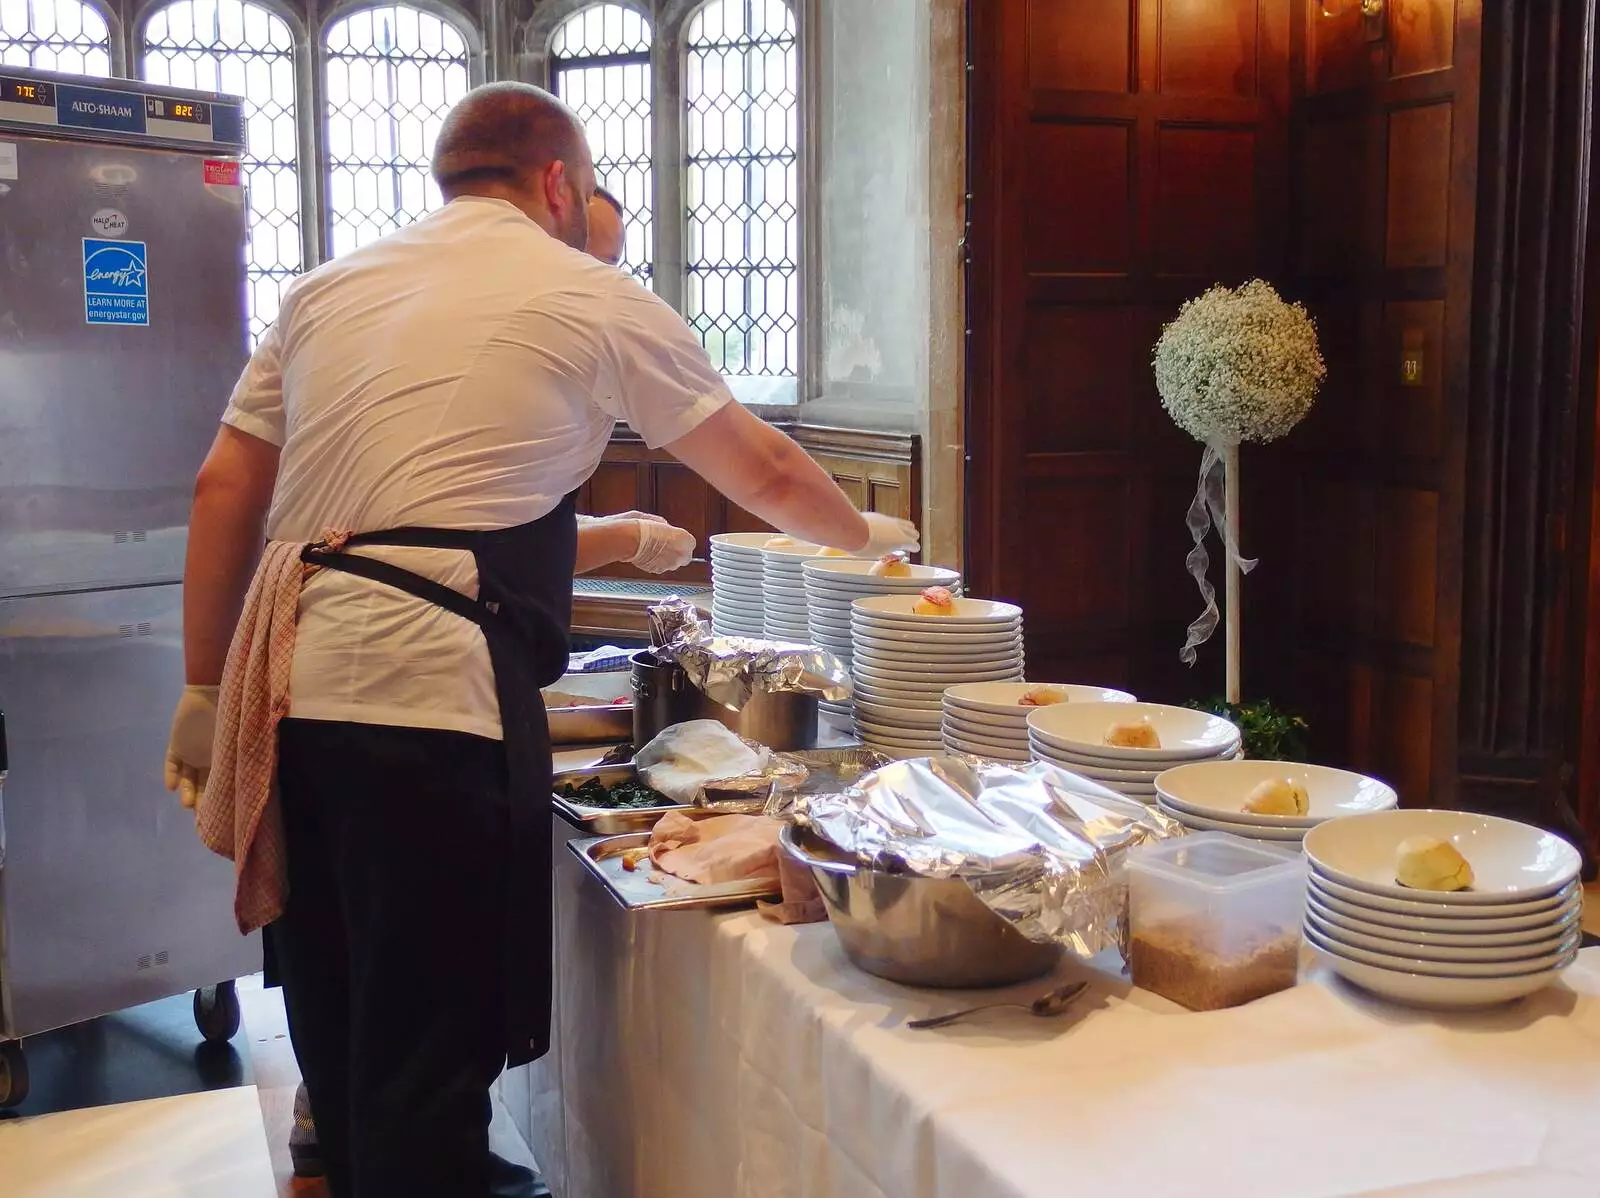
pixel 13 1074
pixel 216 1012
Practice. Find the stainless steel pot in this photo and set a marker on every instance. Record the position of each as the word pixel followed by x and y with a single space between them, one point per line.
pixel 664 696
pixel 917 931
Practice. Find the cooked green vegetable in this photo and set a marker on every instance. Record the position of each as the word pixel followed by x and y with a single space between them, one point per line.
pixel 622 796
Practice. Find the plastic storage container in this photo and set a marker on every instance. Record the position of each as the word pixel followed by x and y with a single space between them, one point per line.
pixel 1213 920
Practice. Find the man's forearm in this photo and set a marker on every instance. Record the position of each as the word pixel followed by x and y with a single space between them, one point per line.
pixel 225 540
pixel 602 542
pixel 798 496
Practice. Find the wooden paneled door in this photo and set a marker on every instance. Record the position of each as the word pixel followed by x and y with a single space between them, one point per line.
pixel 1125 154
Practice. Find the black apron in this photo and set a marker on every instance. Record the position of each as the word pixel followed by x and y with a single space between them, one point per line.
pixel 524 607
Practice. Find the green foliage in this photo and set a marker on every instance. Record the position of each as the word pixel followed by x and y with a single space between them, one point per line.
pixel 1269 734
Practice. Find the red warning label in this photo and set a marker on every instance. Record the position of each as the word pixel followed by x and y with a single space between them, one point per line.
pixel 222 171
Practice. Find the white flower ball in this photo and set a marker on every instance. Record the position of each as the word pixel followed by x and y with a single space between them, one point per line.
pixel 1239 364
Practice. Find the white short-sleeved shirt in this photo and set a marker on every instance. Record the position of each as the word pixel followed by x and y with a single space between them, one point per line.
pixel 465 372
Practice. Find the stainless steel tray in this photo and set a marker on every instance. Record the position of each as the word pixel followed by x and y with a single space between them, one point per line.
pixel 606 821
pixel 634 890
pixel 601 725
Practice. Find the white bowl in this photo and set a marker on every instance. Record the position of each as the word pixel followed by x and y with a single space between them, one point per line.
pixel 1092 769
pixel 940 679
pixel 1005 698
pixel 1154 768
pixel 741 540
pixel 1338 933
pixel 1218 789
pixel 897 610
pixel 1185 735
pixel 985 736
pixel 1467 911
pixel 1511 861
pixel 1422 990
pixel 1457 933
pixel 1409 963
pixel 861 568
pixel 901 717
pixel 1010 733
pixel 936 660
pixel 1246 832
pixel 925 746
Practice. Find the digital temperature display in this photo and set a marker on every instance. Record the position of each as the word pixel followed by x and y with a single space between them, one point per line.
pixel 189 111
pixel 27 91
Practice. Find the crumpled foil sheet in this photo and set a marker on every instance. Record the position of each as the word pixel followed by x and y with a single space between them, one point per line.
pixel 1043 848
pixel 730 669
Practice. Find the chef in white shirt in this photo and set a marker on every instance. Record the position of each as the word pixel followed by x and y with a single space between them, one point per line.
pixel 441 394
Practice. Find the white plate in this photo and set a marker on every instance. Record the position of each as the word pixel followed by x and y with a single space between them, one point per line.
pixel 860 568
pixel 938 679
pixel 1436 948
pixel 741 540
pixel 880 696
pixel 1154 767
pixel 986 731
pixel 1455 920
pixel 1460 912
pixel 866 588
pixel 1219 788
pixel 1406 963
pixel 937 659
pixel 1137 777
pixel 1420 990
pixel 1511 861
pixel 1012 726
pixel 897 609
pixel 984 737
pixel 1247 831
pixel 906 746
pixel 1005 698
pixel 951 671
pixel 898 717
pixel 953 647
pixel 1006 756
pixel 1185 735
pixel 930 628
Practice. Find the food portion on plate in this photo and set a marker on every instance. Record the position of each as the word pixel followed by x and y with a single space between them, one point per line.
pixel 1043 696
pixel 893 565
pixel 1277 796
pixel 1428 863
pixel 935 601
pixel 1133 734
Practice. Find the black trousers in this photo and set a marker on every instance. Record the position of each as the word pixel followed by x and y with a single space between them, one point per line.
pixel 391 950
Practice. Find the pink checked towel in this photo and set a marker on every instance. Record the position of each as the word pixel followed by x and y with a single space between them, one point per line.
pixel 237 815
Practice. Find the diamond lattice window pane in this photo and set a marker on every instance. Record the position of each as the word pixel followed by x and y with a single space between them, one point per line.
pixel 600 65
pixel 54 35
pixel 391 75
pixel 740 105
pixel 244 49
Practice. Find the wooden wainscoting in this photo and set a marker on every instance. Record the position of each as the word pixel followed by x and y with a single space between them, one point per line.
pixel 881 472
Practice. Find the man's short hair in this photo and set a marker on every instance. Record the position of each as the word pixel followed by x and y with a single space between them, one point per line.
pixel 601 193
pixel 503 132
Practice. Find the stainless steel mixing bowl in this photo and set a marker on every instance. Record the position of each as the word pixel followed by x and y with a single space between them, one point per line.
pixel 917 931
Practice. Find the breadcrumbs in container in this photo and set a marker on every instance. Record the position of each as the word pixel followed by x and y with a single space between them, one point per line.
pixel 1214 920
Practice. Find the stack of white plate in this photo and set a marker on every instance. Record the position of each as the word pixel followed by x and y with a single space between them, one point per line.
pixel 1505 936
pixel 1072 735
pixel 736 578
pixel 1209 797
pixel 903 663
pixel 988 719
pixel 833 584
pixel 783 593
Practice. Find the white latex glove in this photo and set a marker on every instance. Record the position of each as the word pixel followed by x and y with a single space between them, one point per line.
pixel 194 726
pixel 662 548
pixel 887 534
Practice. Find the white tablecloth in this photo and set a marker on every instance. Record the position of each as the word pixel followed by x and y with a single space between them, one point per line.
pixel 725 1057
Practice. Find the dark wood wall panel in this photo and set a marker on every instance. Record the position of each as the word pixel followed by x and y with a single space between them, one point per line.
pixel 1424 34
pixel 1083 45
pixel 1209 49
pixel 1125 156
pixel 1418 207
pixel 1087 170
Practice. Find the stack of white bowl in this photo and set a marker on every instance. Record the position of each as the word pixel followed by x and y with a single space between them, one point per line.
pixel 1072 735
pixel 1209 796
pixel 990 719
pixel 1507 935
pixel 833 584
pixel 903 663
pixel 783 593
pixel 736 580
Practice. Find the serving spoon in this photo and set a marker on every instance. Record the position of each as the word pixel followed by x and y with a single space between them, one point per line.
pixel 1047 1005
